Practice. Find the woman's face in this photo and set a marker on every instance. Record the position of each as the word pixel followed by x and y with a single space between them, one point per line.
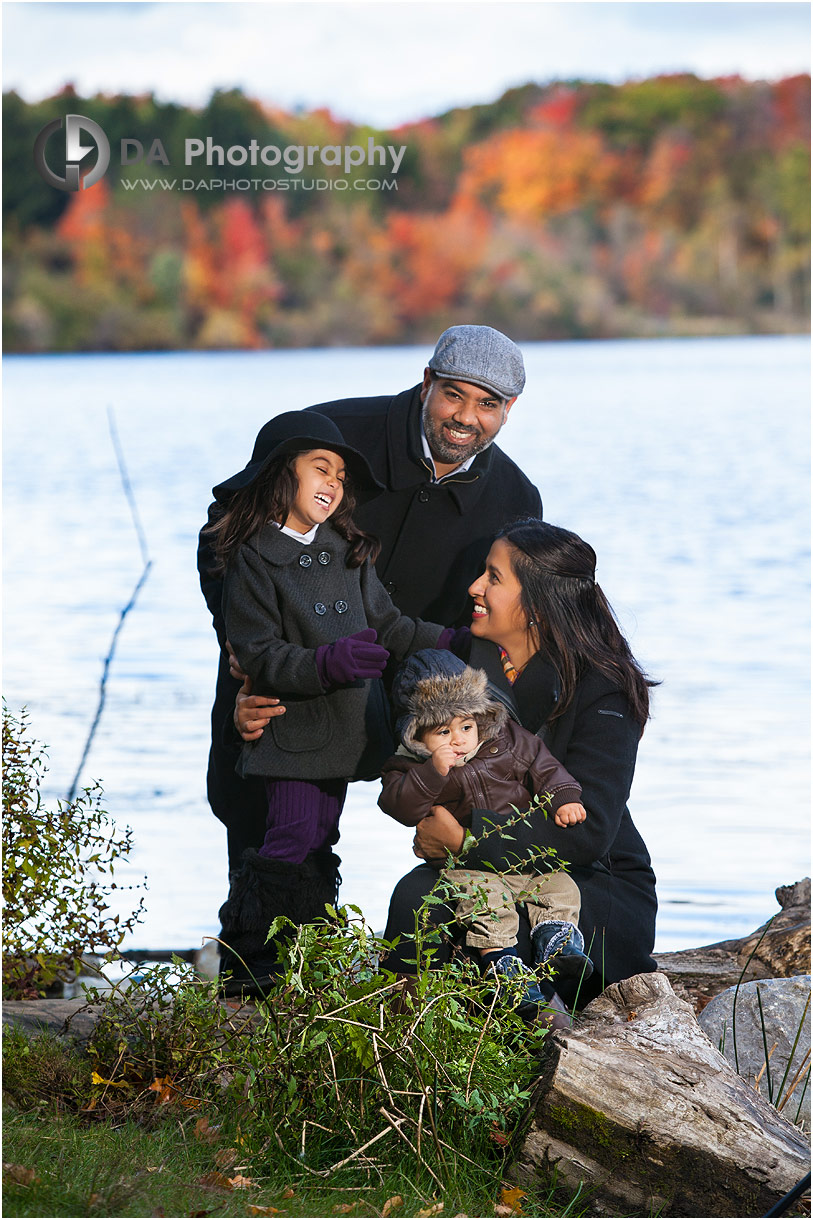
pixel 498 613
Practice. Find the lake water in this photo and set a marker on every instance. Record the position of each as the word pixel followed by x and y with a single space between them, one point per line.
pixel 684 462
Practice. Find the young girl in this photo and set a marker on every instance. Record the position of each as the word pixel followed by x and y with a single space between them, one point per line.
pixel 308 620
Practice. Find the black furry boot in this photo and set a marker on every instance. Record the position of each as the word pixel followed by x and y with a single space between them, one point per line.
pixel 262 890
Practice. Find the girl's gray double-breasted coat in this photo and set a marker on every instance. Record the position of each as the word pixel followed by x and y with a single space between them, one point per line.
pixel 281 600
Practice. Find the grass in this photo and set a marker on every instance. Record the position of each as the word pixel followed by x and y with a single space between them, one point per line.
pixel 344 1095
pixel 105 1169
pixel 110 1169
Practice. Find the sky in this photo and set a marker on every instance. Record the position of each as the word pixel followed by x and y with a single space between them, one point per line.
pixel 386 62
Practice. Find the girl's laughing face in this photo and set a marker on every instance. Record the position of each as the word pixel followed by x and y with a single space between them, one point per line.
pixel 320 476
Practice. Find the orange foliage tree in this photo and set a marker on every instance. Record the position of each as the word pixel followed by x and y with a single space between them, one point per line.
pixel 530 174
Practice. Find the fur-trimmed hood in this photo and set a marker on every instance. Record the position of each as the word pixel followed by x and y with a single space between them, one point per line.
pixel 432 686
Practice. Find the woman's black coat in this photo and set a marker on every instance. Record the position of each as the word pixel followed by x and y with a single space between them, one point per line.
pixel 596 739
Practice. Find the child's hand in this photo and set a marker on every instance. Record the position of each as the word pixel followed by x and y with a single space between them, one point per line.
pixel 234 664
pixel 570 815
pixel 350 658
pixel 444 758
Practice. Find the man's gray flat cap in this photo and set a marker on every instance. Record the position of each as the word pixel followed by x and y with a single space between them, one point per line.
pixel 482 356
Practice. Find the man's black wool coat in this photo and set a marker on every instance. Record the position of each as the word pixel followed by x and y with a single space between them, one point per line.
pixel 434 536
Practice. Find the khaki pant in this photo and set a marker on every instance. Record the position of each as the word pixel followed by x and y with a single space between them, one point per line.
pixel 489 903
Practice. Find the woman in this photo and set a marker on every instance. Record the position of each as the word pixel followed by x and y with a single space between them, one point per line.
pixel 546 636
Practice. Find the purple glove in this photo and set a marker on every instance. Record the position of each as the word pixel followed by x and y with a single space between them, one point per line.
pixel 349 658
pixel 453 638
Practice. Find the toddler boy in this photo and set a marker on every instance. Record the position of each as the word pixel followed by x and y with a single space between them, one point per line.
pixel 460 749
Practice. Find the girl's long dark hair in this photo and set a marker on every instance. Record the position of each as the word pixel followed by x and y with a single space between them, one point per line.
pixel 270 497
pixel 575 623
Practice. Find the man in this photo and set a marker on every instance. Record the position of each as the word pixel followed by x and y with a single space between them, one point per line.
pixel 448 490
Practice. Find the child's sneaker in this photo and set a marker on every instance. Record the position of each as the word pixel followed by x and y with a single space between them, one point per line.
pixel 560 945
pixel 537 998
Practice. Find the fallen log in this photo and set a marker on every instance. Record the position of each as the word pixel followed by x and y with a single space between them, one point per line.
pixel 636 1103
pixel 780 948
pixel 72 1018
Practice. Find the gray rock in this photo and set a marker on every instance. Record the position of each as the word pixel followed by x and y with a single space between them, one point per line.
pixel 207 959
pixel 785 1007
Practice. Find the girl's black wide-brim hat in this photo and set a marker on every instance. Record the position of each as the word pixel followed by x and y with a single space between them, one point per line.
pixel 296 432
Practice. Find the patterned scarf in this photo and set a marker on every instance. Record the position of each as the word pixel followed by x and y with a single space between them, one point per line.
pixel 508 669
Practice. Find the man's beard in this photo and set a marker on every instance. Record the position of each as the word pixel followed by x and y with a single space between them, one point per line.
pixel 444 450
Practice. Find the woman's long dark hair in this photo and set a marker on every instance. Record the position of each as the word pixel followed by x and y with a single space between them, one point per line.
pixel 574 621
pixel 270 497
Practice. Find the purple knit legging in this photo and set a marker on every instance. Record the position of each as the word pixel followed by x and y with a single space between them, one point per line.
pixel 303 815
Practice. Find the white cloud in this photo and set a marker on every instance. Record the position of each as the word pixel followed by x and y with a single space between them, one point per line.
pixel 390 60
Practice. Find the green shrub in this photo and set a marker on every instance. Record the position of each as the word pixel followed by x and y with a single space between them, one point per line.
pixel 58 869
pixel 342 1067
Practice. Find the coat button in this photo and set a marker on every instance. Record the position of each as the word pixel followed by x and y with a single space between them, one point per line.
pixel 320 608
pixel 494 750
pixel 423 495
pixel 389 587
pixel 340 607
pixel 324 557
pixel 305 561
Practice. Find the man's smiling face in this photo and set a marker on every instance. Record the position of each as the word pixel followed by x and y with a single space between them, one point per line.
pixel 460 419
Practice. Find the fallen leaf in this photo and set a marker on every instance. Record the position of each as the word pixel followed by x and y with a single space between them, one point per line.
pixel 254 1209
pixel 238 1182
pixel 344 1209
pixel 205 1131
pixel 395 1201
pixel 498 1137
pixel 94 1199
pixel 215 1179
pixel 18 1174
pixel 164 1086
pixel 502 1209
pixel 225 1157
pixel 288 1193
pixel 435 1210
pixel 511 1197
pixel 95 1078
